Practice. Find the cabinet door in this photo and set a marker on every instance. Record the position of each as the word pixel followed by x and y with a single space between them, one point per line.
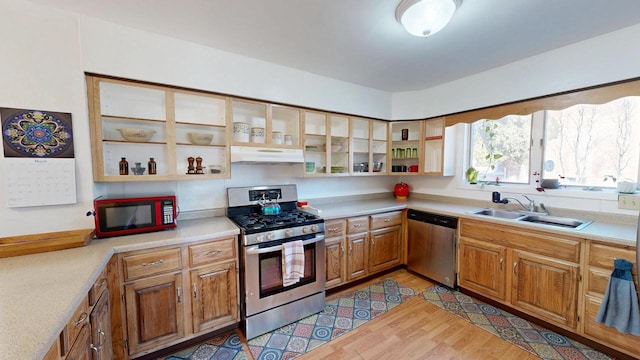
pixel 214 296
pixel 155 313
pixel 357 256
pixel 482 268
pixel 101 328
pixel 335 262
pixel 81 349
pixel 545 287
pixel 385 249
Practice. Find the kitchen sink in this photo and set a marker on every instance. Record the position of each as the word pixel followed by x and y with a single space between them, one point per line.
pixel 556 221
pixel 505 214
pixel 542 219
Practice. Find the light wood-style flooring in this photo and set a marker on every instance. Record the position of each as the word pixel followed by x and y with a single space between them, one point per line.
pixel 416 329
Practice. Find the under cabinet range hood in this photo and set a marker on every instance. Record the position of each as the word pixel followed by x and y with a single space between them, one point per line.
pixel 265 155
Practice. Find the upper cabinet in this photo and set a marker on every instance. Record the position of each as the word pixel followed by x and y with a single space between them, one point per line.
pixel 260 124
pixel 438 148
pixel 326 144
pixel 160 132
pixel 406 147
pixel 369 146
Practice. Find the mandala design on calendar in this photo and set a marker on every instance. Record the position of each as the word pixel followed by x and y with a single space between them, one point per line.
pixel 35 133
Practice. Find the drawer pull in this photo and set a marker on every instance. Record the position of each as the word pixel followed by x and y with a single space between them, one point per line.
pixel 501 263
pixel 102 282
pixel 332 230
pixel 387 220
pixel 82 318
pixel 195 291
pixel 213 252
pixel 158 262
pixel 357 225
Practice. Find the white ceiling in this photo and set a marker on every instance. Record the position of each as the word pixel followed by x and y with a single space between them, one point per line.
pixel 359 41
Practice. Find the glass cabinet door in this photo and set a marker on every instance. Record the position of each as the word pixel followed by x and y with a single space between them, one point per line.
pixel 338 145
pixel 249 123
pixel 315 143
pixel 379 156
pixel 361 146
pixel 285 126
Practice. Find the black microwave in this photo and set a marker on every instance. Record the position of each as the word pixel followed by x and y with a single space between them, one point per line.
pixel 125 216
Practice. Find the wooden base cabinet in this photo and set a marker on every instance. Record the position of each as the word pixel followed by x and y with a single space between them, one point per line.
pixel 174 294
pixel 360 246
pixel 482 268
pixel 541 279
pixel 214 296
pixel 155 313
pixel 599 264
pixel 335 260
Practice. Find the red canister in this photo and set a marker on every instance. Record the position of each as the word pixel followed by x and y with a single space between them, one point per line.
pixel 401 191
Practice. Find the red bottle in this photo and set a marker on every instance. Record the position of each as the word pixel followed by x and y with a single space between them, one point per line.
pixel 401 191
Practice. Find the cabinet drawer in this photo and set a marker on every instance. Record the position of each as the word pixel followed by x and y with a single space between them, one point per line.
pixel 357 225
pixel 598 281
pixel 79 318
pixel 212 251
pixel 602 255
pixel 538 242
pixel 607 335
pixel 101 283
pixel 385 220
pixel 157 262
pixel 334 228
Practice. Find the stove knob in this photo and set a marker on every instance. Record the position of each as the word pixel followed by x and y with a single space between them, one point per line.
pixel 305 230
pixel 269 236
pixel 288 232
pixel 259 238
pixel 314 228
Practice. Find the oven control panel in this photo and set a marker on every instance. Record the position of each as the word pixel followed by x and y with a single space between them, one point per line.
pixel 272 235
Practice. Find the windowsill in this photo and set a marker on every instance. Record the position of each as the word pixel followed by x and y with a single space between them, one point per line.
pixel 605 194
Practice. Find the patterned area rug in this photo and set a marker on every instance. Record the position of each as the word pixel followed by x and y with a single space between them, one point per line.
pixel 227 346
pixel 535 339
pixel 338 317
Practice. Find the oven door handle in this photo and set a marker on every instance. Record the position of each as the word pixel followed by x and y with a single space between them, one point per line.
pixel 255 250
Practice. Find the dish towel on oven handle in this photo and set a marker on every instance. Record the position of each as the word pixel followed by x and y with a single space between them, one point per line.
pixel 619 308
pixel 292 262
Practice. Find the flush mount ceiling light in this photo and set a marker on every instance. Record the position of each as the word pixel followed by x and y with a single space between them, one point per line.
pixel 426 17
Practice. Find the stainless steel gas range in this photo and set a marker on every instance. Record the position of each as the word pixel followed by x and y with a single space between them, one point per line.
pixel 268 217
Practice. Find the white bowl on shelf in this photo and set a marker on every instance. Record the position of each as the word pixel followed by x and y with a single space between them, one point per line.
pixel 198 138
pixel 133 134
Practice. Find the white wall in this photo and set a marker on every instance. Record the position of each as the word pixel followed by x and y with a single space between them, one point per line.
pixel 40 68
pixel 607 58
pixel 116 50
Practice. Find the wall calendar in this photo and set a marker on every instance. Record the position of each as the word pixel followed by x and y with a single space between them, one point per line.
pixel 39 163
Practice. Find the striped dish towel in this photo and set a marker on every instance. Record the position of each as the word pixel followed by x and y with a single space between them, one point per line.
pixel 292 262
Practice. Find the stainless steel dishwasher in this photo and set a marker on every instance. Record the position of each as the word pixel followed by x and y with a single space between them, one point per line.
pixel 432 246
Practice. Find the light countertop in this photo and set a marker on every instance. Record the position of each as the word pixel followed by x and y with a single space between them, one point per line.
pixel 39 292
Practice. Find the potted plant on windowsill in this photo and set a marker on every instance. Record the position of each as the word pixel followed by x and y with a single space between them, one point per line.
pixel 472 175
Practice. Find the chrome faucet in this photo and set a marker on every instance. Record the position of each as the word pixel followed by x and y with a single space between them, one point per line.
pixel 531 207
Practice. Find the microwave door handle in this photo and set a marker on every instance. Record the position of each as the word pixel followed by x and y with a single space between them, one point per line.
pixel 254 250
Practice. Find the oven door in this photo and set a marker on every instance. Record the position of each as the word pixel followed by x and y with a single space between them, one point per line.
pixel 264 288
